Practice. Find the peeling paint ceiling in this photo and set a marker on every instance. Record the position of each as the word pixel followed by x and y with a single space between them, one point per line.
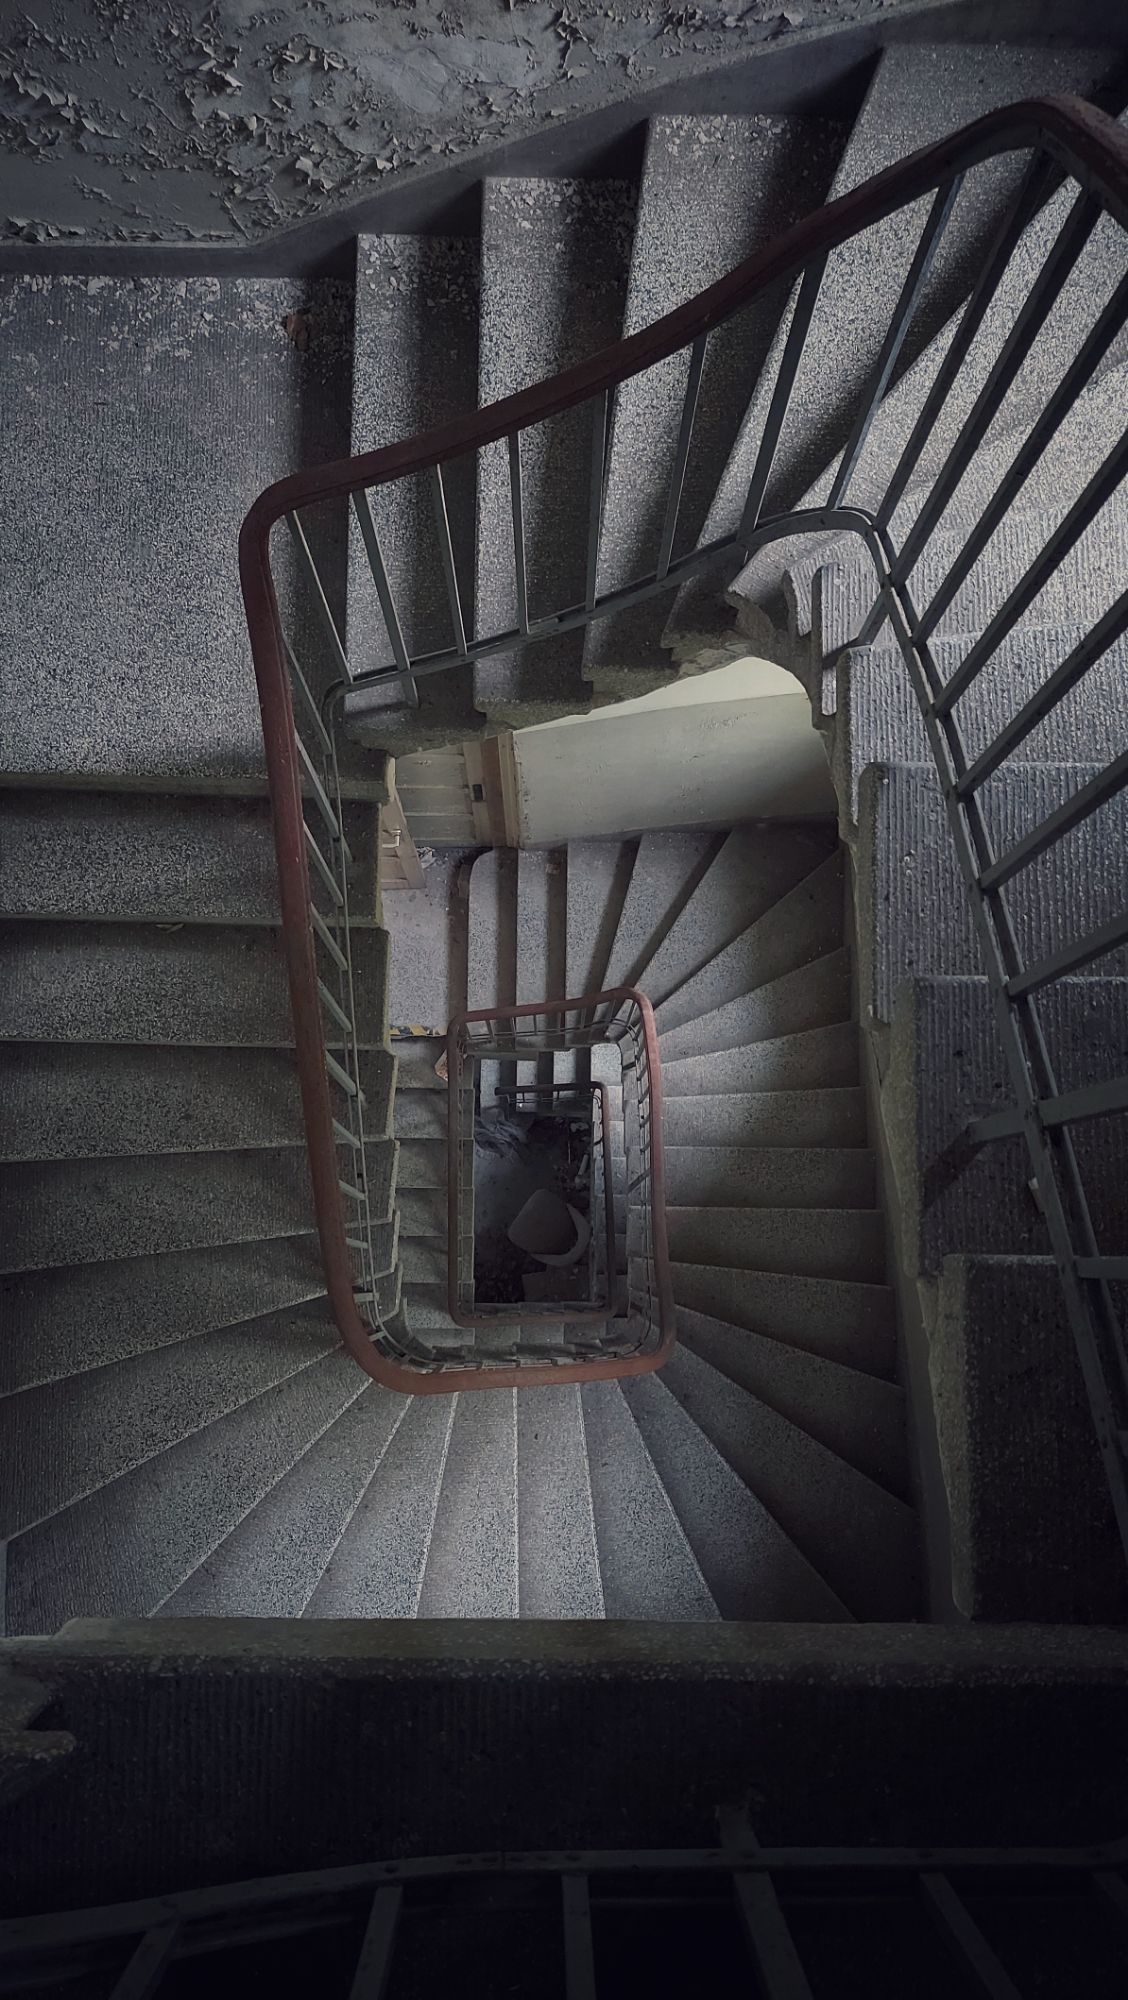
pixel 134 121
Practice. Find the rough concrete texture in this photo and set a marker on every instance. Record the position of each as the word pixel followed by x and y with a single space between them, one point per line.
pixel 376 1569
pixel 417 296
pixel 557 1558
pixel 232 126
pixel 854 1324
pixel 1032 1520
pixel 198 392
pixel 647 1565
pixel 471 1567
pixel 800 926
pixel 769 1119
pixel 906 860
pixel 815 1058
pixel 947 1068
pixel 554 272
pixel 762 174
pixel 819 1242
pixel 814 996
pixel 745 1177
pixel 754 867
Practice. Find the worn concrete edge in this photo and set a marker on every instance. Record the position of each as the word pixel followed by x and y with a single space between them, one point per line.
pixel 858 1654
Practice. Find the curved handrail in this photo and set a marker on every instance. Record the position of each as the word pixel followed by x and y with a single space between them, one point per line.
pixel 1082 141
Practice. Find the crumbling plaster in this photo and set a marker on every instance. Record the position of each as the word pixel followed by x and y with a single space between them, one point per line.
pixel 134 121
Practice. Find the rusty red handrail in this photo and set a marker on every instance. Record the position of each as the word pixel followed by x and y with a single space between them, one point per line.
pixel 1084 142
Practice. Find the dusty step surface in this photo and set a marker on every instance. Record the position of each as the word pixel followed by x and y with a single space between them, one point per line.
pixel 599 876
pixel 847 1322
pixel 645 1561
pixel 61 1441
pixel 767 1118
pixel 376 1569
pixel 762 173
pixel 83 1100
pixel 755 866
pixel 159 858
pixel 61 1322
pixel 750 1567
pixel 554 273
pixel 270 1564
pixel 723 1177
pixel 76 1211
pixel 816 1242
pixel 220 403
pixel 407 288
pixel 855 1415
pixel 816 1058
pixel 813 996
pixel 221 986
pixel 557 1558
pixel 667 869
pixel 126 1547
pixel 860 1538
pixel 471 1567
pixel 802 925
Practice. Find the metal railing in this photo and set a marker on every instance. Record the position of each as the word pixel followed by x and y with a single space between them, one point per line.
pixel 640 1335
pixel 957 1910
pixel 1069 151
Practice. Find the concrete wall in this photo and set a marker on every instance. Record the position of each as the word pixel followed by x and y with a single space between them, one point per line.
pixel 713 750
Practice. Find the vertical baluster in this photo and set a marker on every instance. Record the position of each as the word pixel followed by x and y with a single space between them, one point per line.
pixel 579 1951
pixel 965 1940
pixel 681 453
pixel 599 413
pixel 312 575
pixel 379 571
pixel 147 1965
pixel 370 1980
pixel 446 555
pixel 781 394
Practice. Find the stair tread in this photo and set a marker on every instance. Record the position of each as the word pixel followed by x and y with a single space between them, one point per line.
pixel 814 1242
pixel 832 1117
pixel 599 878
pixel 646 1563
pixel 123 1550
pixel 557 1558
pixel 843 1319
pixel 471 1569
pixel 723 1177
pixel 667 868
pixel 813 996
pixel 377 1566
pixel 753 869
pixel 554 271
pixel 752 1569
pixel 859 1537
pixel 803 925
pixel 196 985
pixel 270 1564
pixel 823 1058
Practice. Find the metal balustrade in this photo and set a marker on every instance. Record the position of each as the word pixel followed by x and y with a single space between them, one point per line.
pixel 751 1911
pixel 1063 144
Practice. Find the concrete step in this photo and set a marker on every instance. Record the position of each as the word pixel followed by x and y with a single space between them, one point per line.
pixel 415 1063
pixel 815 1059
pixel 554 274
pixel 600 873
pixel 157 858
pixel 667 870
pixel 542 924
pixel 422 1164
pixel 471 1567
pixel 221 405
pixel 87 1100
pixel 407 289
pixel 61 1322
pixel 906 859
pixel 427 971
pixel 815 1242
pixel 750 1567
pixel 814 996
pixel 422 1212
pixel 421 1114
pixel 853 1414
pixel 860 1538
pixel 946 1067
pixel 376 1568
pixel 767 1118
pixel 1033 1532
pixel 124 1549
pixel 852 1324
pixel 424 1260
pixel 65 1439
pixel 916 95
pixel 557 1558
pixel 756 865
pixel 270 1565
pixel 877 720
pixel 646 1563
pixel 722 1177
pixel 763 174
pixel 425 1309
pixel 805 924
pixel 204 986
pixel 79 1211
